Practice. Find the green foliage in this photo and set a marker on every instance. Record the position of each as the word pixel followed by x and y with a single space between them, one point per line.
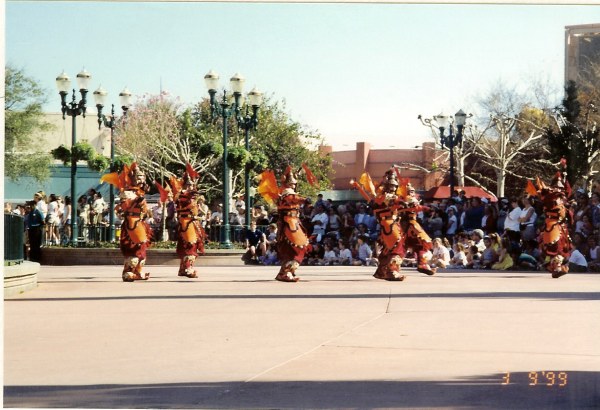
pixel 237 157
pixel 62 154
pixel 575 138
pixel 210 149
pixel 83 151
pixel 99 163
pixel 120 161
pixel 23 121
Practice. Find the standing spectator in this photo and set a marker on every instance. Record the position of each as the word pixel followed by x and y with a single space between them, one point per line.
pixel 83 210
pixel 34 223
pixel 348 225
pixel 452 224
pixel 595 211
pixel 203 211
pixel 593 254
pixel 490 219
pixel 473 215
pixel 171 217
pixel 66 221
pixel 527 220
pixel 321 202
pixel 53 222
pixel 361 216
pixel 436 223
pixel 511 223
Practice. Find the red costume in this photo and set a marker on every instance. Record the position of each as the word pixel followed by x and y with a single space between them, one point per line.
pixel 385 208
pixel 135 232
pixel 190 235
pixel 415 236
pixel 292 240
pixel 396 206
pixel 556 243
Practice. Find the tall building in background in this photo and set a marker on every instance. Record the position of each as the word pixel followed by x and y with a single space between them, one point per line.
pixel 582 46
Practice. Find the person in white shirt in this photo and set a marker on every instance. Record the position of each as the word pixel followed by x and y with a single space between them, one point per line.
pixel 440 255
pixel 345 257
pixel 577 262
pixel 319 222
pixel 511 223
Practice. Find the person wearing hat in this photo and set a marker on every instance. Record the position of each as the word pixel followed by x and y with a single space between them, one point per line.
pixel 385 208
pixel 292 239
pixel 477 238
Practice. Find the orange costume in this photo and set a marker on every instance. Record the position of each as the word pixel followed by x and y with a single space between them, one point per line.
pixel 556 243
pixel 395 206
pixel 190 235
pixel 135 232
pixel 292 240
pixel 385 208
pixel 415 236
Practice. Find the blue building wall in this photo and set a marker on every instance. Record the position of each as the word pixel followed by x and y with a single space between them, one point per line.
pixel 59 183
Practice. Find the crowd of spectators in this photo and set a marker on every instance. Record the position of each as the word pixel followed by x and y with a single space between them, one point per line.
pixel 466 232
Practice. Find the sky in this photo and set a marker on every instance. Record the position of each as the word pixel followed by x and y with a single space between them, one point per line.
pixel 351 72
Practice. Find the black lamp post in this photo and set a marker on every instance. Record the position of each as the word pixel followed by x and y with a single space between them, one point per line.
pixel 247 123
pixel 451 140
pixel 100 98
pixel 222 109
pixel 73 109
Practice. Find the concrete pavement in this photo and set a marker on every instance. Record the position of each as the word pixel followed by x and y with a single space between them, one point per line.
pixel 235 338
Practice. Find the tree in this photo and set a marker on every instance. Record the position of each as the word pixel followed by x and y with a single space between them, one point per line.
pixel 24 121
pixel 514 130
pixel 162 137
pixel 575 135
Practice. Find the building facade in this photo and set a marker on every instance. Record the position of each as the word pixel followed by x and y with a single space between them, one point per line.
pixel 582 46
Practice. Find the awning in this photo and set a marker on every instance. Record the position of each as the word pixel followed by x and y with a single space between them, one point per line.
pixel 442 192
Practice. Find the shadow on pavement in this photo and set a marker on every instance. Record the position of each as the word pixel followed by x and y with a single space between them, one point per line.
pixel 579 296
pixel 573 390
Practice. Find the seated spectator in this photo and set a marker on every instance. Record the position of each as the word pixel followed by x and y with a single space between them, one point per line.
pixel 505 261
pixel 459 260
pixel 319 222
pixel 329 256
pixel 473 258
pixel 577 262
pixel 270 257
pixel 477 238
pixel 364 253
pixel 440 255
pixel 314 253
pixel 488 256
pixel 345 254
pixel 255 245
pixel 593 254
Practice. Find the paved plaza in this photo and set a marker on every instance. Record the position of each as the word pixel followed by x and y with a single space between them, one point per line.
pixel 235 338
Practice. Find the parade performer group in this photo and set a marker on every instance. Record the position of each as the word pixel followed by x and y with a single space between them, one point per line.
pixel 556 245
pixel 395 207
pixel 135 231
pixel 394 203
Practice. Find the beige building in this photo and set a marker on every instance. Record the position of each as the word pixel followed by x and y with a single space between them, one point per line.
pixel 582 45
pixel 86 130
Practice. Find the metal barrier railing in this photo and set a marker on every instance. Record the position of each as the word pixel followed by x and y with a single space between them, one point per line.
pixel 14 233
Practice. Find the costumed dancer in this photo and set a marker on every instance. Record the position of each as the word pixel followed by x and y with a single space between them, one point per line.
pixel 415 237
pixel 135 231
pixel 292 239
pixel 385 203
pixel 190 234
pixel 556 245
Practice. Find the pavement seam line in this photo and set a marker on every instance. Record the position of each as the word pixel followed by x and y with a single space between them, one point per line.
pixel 314 348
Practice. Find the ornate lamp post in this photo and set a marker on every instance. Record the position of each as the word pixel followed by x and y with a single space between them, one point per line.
pixel 222 109
pixel 451 140
pixel 100 98
pixel 73 109
pixel 247 123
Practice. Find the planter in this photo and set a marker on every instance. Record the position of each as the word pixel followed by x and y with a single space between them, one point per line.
pixel 105 256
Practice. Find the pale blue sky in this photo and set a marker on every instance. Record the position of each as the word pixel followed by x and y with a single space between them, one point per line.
pixel 353 72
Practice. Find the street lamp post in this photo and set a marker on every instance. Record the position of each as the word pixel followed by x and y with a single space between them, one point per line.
pixel 100 98
pixel 451 140
pixel 73 109
pixel 223 110
pixel 247 123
